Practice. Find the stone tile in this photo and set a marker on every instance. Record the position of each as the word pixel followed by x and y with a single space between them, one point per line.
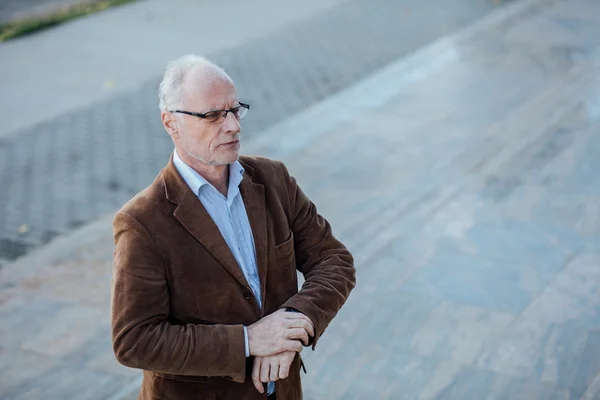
pixel 574 213
pixel 457 332
pixel 515 240
pixel 18 366
pixel 577 9
pixel 71 327
pixel 363 327
pixel 479 220
pixel 487 385
pixel 67 382
pixel 96 354
pixel 416 325
pixel 17 311
pixel 593 391
pixel 93 272
pixel 400 375
pixel 559 354
pixel 497 284
pixel 440 377
pixel 572 298
pixel 387 270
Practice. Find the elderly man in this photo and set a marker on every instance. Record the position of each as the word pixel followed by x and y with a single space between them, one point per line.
pixel 205 291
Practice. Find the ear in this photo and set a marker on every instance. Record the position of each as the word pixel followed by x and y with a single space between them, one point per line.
pixel 170 123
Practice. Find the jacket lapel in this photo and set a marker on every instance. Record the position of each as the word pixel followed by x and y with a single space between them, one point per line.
pixel 194 217
pixel 256 208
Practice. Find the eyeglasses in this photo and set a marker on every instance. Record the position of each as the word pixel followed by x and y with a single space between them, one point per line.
pixel 238 112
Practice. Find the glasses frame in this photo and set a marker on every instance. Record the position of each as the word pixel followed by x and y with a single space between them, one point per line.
pixel 207 114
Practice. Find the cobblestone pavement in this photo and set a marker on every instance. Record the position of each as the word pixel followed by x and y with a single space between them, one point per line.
pixel 464 179
pixel 62 173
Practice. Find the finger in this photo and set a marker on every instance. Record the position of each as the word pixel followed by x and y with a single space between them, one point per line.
pixel 297 316
pixel 298 333
pixel 274 370
pixel 264 371
pixel 284 365
pixel 256 375
pixel 293 345
pixel 304 324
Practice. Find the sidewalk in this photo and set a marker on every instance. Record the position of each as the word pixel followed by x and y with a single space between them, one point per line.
pixel 465 181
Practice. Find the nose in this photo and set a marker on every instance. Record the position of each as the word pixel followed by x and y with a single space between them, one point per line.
pixel 231 124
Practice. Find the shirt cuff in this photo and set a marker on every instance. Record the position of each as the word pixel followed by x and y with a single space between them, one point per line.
pixel 247 346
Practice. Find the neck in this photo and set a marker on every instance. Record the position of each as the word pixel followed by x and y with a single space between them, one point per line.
pixel 216 175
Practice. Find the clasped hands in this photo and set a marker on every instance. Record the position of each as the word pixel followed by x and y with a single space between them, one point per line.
pixel 274 341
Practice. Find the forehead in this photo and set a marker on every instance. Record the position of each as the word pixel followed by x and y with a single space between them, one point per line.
pixel 209 90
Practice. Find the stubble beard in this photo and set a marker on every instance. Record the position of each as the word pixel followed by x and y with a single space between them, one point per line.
pixel 215 162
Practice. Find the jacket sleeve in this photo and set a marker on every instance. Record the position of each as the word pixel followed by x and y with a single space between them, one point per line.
pixel 327 266
pixel 142 335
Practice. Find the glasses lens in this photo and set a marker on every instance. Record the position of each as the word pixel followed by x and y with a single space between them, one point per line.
pixel 241 112
pixel 214 116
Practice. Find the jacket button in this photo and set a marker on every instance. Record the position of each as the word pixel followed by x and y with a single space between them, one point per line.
pixel 247 296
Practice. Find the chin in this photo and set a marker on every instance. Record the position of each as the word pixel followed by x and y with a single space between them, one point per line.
pixel 230 158
pixel 234 156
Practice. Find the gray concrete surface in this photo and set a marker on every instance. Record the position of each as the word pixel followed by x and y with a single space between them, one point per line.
pixel 77 98
pixel 463 178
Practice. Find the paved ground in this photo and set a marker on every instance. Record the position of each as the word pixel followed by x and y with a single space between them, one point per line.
pixel 465 180
pixel 83 135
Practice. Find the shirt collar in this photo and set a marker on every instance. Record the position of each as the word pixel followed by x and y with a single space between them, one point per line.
pixel 196 181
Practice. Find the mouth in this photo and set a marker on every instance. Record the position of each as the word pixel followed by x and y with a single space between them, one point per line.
pixel 232 143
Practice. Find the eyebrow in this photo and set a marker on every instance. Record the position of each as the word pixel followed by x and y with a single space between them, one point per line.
pixel 223 109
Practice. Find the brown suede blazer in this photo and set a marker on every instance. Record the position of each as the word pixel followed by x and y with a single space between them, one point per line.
pixel 180 300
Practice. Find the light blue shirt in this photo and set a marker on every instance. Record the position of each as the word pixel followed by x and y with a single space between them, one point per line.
pixel 229 214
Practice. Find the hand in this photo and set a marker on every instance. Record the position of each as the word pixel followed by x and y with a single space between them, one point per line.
pixel 279 332
pixel 271 369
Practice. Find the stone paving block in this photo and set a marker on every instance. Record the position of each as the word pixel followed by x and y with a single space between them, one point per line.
pixel 16 311
pixel 593 391
pixel 561 27
pixel 573 172
pixel 96 354
pixel 93 271
pixel 70 328
pixel 560 354
pixel 398 375
pixel 572 298
pixel 496 283
pixel 393 265
pixel 18 367
pixel 457 332
pixel 474 221
pixel 67 382
pixel 485 385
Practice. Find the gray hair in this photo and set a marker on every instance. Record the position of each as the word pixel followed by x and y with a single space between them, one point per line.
pixel 169 91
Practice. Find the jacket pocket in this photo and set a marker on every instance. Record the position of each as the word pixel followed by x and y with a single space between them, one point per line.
pixel 285 248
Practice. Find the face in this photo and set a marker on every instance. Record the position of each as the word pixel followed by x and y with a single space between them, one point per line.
pixel 209 142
